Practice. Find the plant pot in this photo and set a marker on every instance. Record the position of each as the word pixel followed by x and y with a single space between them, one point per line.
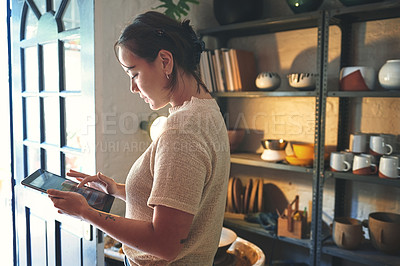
pixel 234 11
pixel 389 75
pixel 301 6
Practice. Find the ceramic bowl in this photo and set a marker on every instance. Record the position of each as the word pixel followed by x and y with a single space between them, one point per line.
pixel 302 81
pixel 225 241
pixel 268 81
pixel 235 137
pixel 357 78
pixel 303 151
pixel 384 231
pixel 274 144
pixel 293 160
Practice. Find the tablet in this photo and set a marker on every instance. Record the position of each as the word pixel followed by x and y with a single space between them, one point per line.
pixel 43 180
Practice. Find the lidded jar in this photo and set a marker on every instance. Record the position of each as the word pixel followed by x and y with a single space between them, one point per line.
pixel 389 75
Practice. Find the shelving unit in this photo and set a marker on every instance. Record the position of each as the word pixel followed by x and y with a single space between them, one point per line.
pixel 322 20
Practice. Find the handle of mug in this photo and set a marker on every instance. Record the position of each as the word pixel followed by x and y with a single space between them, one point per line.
pixel 373 166
pixel 390 149
pixel 348 166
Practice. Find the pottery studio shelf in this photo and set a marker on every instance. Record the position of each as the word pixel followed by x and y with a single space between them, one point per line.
pixel 365 94
pixel 365 254
pixel 252 159
pixel 240 224
pixel 255 94
pixel 372 179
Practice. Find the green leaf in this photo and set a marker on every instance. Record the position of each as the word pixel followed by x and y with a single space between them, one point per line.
pixel 175 11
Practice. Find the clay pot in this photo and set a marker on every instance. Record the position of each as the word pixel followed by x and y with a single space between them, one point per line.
pixel 384 231
pixel 389 75
pixel 347 233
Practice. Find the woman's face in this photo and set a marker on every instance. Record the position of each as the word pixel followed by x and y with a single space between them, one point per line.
pixel 147 79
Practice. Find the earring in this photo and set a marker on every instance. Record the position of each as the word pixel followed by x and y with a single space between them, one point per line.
pixel 167 76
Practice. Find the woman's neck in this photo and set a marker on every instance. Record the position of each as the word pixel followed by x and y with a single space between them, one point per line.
pixel 187 88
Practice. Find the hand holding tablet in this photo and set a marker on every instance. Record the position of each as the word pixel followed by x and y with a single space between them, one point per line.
pixel 43 180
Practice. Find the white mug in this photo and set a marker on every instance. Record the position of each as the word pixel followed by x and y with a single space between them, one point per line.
pixel 338 162
pixel 358 142
pixel 363 164
pixel 377 146
pixel 348 156
pixel 389 167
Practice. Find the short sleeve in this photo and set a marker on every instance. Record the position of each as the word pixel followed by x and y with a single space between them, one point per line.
pixel 182 167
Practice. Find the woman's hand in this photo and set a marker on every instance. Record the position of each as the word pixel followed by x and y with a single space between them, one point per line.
pixel 99 182
pixel 71 203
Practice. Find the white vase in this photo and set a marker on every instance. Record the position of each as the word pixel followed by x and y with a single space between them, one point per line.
pixel 389 75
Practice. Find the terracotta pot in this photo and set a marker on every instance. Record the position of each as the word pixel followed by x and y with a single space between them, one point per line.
pixel 347 233
pixel 384 231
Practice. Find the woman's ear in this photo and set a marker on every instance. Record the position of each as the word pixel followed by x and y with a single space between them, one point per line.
pixel 167 61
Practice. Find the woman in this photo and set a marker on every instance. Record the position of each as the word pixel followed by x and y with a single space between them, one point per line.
pixel 175 192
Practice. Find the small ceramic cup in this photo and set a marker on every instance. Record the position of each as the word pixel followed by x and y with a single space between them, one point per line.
pixel 338 162
pixel 363 164
pixel 347 232
pixel 377 146
pixel 389 167
pixel 358 142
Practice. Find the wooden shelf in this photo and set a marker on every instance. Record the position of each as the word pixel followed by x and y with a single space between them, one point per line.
pixel 258 229
pixel 258 94
pixel 373 179
pixel 364 94
pixel 366 254
pixel 251 159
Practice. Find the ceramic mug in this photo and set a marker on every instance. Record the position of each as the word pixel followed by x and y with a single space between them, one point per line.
pixel 389 167
pixel 347 232
pixel 363 164
pixel 377 146
pixel 384 231
pixel 348 156
pixel 358 142
pixel 339 163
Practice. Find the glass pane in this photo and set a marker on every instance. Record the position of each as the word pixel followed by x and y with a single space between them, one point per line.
pixel 31 25
pixel 41 5
pixel 51 120
pixel 72 68
pixel 56 4
pixel 50 67
pixel 31 69
pixel 53 163
pixel 71 18
pixel 77 162
pixel 74 122
pixel 32 119
pixel 33 159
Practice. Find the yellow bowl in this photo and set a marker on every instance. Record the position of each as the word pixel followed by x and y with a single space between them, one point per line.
pixel 303 151
pixel 293 160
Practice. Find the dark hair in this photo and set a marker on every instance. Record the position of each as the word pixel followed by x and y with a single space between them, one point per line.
pixel 152 31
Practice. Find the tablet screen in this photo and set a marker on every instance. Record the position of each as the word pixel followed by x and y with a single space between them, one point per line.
pixel 43 180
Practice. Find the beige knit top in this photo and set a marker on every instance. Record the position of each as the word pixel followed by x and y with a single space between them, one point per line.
pixel 186 168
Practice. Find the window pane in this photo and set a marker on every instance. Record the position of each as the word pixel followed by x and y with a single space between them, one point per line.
pixel 72 68
pixel 33 159
pixel 31 25
pixel 77 162
pixel 31 70
pixel 56 4
pixel 74 122
pixel 51 120
pixel 32 119
pixel 71 18
pixel 53 163
pixel 50 67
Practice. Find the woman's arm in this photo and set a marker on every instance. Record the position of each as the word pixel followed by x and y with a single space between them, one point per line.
pixel 163 237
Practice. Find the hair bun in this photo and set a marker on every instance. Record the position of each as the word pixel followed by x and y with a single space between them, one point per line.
pixel 198 45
